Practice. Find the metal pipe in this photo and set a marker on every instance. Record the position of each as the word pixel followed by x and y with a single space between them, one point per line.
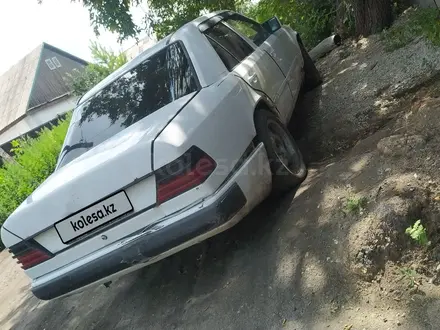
pixel 325 46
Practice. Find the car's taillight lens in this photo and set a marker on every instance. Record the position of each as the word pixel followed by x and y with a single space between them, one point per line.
pixel 28 255
pixel 185 173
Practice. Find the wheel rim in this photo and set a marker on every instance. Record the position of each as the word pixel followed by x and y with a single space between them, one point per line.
pixel 285 149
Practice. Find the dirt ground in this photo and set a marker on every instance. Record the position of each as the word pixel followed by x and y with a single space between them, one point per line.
pixel 305 261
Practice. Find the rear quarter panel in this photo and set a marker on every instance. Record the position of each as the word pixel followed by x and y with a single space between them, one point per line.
pixel 219 120
pixel 8 239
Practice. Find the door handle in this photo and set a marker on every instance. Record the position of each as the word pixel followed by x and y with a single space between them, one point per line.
pixel 253 78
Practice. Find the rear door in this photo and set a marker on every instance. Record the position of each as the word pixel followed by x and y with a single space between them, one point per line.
pixel 281 45
pixel 253 64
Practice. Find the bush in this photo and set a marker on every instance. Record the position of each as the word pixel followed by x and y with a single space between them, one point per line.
pixel 418 22
pixel 105 62
pixel 34 161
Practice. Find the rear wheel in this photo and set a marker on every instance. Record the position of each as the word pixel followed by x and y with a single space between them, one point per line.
pixel 312 77
pixel 286 162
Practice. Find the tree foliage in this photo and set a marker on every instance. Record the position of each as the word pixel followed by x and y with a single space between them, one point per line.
pixel 34 161
pixel 105 62
pixel 112 15
pixel 313 19
pixel 163 16
pixel 167 16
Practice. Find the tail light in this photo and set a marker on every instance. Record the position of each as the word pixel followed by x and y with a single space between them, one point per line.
pixel 28 254
pixel 186 172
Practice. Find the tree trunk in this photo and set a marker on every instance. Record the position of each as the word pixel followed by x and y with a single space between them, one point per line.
pixel 341 27
pixel 372 16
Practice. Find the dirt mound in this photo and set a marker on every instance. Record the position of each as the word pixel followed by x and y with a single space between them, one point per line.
pixel 386 108
pixel 399 145
pixel 380 236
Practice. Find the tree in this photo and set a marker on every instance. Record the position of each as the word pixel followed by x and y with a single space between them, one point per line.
pixel 314 19
pixel 167 16
pixel 112 15
pixel 163 16
pixel 105 62
pixel 372 16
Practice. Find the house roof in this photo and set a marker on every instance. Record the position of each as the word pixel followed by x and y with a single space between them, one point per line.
pixel 30 82
pixel 15 88
pixel 140 46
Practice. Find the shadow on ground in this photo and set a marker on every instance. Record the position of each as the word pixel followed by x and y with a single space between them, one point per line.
pixel 270 269
pixel 282 267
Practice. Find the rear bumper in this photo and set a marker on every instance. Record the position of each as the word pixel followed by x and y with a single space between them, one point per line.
pixel 143 246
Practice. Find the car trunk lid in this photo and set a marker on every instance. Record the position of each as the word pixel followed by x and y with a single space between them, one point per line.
pixel 99 173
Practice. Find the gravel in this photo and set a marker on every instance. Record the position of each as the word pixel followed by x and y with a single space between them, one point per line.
pixel 362 85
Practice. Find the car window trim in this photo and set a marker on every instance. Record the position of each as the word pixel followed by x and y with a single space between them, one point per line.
pixel 211 22
pixel 245 39
pixel 222 18
pixel 226 50
pixel 182 44
pixel 250 21
pixel 242 36
pixel 244 18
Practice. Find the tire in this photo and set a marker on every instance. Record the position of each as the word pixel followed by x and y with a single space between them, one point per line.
pixel 288 167
pixel 312 77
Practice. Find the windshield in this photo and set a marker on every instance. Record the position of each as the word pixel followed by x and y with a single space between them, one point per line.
pixel 161 79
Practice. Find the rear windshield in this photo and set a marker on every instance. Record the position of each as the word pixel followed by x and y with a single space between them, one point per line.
pixel 161 79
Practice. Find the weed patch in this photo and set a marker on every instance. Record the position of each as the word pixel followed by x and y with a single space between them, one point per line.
pixel 418 233
pixel 410 276
pixel 355 204
pixel 419 22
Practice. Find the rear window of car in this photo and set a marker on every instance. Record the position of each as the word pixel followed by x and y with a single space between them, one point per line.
pixel 161 79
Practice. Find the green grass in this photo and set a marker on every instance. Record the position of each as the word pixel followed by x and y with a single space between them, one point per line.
pixel 419 22
pixel 355 204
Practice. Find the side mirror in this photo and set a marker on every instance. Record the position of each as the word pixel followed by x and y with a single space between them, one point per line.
pixel 272 24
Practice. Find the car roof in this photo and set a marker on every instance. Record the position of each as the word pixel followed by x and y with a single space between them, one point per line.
pixel 144 55
pixel 205 17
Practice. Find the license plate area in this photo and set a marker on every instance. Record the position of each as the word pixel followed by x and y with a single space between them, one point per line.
pixel 93 217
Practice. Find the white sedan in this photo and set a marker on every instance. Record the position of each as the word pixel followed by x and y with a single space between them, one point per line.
pixel 175 147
